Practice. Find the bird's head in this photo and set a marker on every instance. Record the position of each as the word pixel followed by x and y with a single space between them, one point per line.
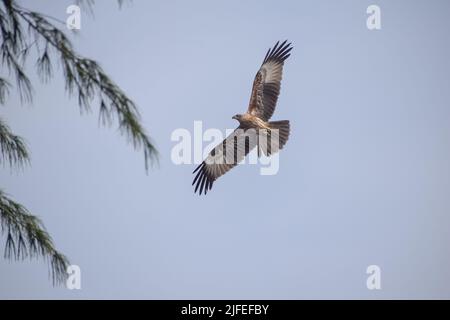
pixel 236 117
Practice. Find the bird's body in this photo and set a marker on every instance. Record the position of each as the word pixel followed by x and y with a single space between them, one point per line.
pixel 247 121
pixel 255 129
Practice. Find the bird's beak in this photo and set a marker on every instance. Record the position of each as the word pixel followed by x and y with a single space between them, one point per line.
pixel 233 117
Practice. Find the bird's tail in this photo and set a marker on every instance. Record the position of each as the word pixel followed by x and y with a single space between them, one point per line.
pixel 277 137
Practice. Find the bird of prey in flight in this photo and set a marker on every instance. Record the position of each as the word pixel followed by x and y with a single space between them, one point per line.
pixel 265 91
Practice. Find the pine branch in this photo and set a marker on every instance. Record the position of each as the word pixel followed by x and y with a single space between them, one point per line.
pixel 4 90
pixel 84 77
pixel 12 148
pixel 26 237
pixel 25 233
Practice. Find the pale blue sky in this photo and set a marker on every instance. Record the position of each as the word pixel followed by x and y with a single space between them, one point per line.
pixel 363 180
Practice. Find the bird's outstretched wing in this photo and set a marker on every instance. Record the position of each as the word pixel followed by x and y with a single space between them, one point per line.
pixel 224 157
pixel 266 86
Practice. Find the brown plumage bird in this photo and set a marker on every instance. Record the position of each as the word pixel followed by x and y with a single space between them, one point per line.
pixel 266 88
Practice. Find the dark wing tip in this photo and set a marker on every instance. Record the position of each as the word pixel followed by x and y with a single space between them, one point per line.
pixel 201 165
pixel 278 53
pixel 203 180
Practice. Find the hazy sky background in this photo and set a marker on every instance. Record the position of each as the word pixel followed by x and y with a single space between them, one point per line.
pixel 364 178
